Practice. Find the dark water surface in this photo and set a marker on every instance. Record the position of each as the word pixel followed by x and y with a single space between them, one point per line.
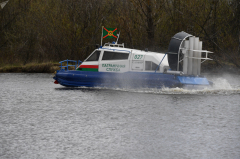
pixel 39 119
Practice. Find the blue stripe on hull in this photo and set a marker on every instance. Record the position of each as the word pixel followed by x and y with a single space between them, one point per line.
pixel 122 80
pixel 193 80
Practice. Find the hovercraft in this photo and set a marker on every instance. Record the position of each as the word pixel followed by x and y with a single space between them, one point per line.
pixel 113 65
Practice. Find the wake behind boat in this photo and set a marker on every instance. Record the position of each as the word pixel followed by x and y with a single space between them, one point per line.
pixel 113 65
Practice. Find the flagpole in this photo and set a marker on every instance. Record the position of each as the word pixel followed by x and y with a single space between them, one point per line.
pixel 118 37
pixel 102 35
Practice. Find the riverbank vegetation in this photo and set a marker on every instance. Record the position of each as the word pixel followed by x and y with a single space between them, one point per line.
pixel 42 31
pixel 30 68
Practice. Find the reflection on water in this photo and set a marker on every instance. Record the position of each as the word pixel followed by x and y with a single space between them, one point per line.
pixel 39 119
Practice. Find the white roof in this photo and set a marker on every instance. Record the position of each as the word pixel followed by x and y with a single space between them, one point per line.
pixel 129 50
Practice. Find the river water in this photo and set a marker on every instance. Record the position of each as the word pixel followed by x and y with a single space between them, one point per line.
pixel 39 119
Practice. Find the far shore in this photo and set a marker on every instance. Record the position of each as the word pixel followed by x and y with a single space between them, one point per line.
pixel 31 68
pixel 208 67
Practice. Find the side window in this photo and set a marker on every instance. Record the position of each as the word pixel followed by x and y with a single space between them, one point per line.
pixel 150 66
pixel 154 66
pixel 94 56
pixel 108 55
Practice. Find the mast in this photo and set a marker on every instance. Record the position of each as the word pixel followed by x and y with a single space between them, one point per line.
pixel 102 35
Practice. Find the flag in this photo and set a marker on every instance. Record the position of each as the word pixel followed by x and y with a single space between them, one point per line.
pixel 109 32
pixel 3 4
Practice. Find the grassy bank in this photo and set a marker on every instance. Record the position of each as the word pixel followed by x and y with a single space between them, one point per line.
pixel 30 68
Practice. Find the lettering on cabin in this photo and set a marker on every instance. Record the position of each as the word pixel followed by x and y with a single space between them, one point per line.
pixel 113 67
pixel 138 57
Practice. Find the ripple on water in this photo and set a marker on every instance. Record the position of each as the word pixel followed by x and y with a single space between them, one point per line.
pixel 41 120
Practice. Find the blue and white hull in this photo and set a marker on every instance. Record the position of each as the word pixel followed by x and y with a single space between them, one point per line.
pixel 126 80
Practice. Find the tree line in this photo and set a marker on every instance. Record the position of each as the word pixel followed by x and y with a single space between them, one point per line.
pixel 50 31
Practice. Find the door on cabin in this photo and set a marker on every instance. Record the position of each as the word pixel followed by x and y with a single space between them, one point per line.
pixel 137 62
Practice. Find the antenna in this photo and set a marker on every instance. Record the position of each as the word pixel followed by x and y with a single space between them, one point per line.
pixel 102 36
pixel 118 37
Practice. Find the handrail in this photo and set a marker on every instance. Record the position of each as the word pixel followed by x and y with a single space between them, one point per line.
pixel 76 64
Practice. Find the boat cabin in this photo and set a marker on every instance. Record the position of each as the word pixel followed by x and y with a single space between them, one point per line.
pixel 116 58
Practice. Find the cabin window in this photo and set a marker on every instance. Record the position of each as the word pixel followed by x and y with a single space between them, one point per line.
pixel 150 66
pixel 94 56
pixel 108 55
